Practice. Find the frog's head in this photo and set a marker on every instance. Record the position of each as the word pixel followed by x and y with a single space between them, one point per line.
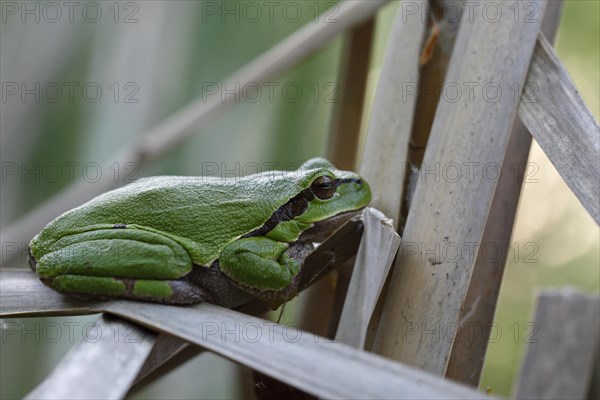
pixel 324 198
pixel 333 196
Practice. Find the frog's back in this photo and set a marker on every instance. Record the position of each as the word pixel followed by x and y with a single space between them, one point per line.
pixel 202 214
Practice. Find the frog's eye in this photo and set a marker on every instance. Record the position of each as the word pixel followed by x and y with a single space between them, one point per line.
pixel 323 187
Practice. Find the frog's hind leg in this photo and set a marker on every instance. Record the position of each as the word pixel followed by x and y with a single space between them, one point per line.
pixel 179 291
pixel 119 261
pixel 125 253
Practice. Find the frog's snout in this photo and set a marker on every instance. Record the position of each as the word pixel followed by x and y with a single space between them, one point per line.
pixel 365 189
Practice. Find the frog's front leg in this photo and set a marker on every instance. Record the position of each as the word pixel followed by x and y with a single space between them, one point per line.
pixel 117 261
pixel 259 263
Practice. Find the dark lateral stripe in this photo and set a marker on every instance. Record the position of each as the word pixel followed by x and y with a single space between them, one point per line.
pixel 293 208
pixel 290 210
pixel 338 182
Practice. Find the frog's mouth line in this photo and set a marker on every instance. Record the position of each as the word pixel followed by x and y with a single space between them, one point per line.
pixel 322 230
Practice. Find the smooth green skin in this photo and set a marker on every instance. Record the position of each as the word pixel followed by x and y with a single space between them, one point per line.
pixel 173 223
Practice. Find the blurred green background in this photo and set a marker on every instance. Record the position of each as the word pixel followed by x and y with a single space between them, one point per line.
pixel 164 60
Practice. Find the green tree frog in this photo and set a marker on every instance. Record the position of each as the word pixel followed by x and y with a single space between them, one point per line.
pixel 183 240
